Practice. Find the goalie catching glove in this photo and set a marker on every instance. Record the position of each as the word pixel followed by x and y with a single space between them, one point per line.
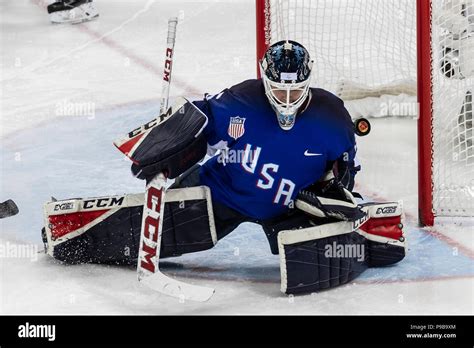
pixel 328 198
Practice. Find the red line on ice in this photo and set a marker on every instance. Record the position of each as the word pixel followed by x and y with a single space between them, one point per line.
pixel 114 45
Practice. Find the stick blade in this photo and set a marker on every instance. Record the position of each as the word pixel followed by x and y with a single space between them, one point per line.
pixel 172 287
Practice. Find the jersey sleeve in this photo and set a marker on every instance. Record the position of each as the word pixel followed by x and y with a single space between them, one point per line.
pixel 343 150
pixel 218 108
pixel 347 167
pixel 209 131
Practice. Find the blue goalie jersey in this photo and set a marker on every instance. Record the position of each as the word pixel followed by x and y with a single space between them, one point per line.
pixel 261 167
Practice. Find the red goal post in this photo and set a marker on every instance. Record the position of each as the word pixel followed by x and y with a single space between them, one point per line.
pixel 425 97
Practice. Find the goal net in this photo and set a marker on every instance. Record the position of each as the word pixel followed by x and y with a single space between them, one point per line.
pixel 452 83
pixel 376 55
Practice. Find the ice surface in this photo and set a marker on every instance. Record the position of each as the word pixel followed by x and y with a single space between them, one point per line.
pixel 113 66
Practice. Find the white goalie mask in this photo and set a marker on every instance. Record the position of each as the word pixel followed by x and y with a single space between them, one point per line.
pixel 286 73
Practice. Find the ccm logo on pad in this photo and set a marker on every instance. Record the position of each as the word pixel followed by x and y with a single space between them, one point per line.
pixel 387 210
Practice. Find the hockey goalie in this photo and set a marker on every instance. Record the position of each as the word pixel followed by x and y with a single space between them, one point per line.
pixel 282 155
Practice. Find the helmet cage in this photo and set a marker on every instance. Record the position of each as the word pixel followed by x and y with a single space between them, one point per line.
pixel 286 110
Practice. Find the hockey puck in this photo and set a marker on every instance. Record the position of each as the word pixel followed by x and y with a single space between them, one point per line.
pixel 362 127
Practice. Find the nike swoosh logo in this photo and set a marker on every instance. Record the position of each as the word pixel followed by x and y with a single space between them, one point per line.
pixel 309 154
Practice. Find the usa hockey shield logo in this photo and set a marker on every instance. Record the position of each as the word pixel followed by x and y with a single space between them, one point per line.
pixel 236 127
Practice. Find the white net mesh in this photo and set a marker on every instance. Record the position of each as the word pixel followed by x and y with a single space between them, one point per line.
pixel 453 86
pixel 361 48
pixel 365 51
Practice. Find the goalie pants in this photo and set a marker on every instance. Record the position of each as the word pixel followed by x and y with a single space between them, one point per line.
pixel 227 219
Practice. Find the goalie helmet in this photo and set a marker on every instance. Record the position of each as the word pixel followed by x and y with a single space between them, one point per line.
pixel 286 73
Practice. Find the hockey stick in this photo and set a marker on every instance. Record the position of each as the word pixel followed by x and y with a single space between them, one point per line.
pixel 152 220
pixel 7 209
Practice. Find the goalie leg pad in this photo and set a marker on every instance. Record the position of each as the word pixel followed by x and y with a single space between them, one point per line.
pixel 295 219
pixel 332 254
pixel 114 239
pixel 384 233
pixel 188 224
pixel 320 257
pixel 107 229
